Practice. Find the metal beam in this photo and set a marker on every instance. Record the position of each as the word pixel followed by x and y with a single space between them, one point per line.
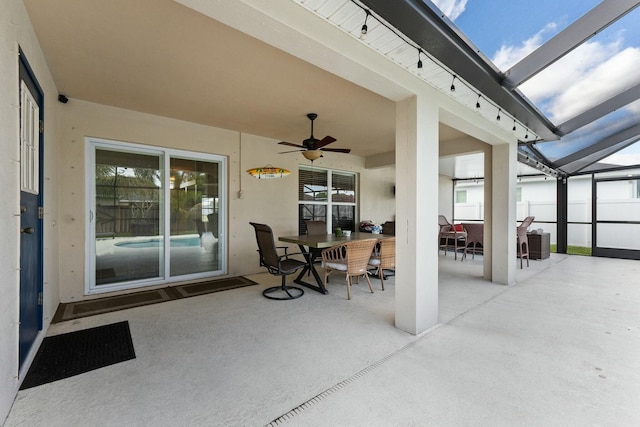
pixel 421 21
pixel 627 134
pixel 591 23
pixel 601 110
pixel 523 158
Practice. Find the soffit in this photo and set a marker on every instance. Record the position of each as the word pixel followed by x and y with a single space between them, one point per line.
pixel 159 57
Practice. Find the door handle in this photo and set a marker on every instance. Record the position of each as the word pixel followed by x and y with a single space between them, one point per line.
pixel 28 230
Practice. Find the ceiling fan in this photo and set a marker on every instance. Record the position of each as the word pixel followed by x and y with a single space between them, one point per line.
pixel 312 147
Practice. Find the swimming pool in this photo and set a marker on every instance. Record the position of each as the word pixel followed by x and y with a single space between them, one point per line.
pixel 156 242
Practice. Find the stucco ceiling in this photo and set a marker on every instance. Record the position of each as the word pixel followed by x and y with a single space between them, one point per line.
pixel 159 57
pixel 162 58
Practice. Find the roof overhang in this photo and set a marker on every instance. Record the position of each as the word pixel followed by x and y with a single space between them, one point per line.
pixel 422 23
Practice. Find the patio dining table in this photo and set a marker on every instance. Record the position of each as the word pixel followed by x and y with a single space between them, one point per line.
pixel 321 241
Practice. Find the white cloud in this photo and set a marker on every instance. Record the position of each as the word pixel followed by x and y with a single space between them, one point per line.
pixel 587 76
pixel 614 75
pixel 634 107
pixel 622 159
pixel 451 8
pixel 507 56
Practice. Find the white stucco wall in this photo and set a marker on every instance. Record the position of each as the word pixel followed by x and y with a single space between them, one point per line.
pixel 271 201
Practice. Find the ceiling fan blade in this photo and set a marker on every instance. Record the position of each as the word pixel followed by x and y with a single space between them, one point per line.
pixel 324 141
pixel 292 145
pixel 337 150
pixel 292 151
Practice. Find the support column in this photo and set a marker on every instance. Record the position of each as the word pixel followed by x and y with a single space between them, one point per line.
pixel 562 215
pixel 417 151
pixel 487 244
pixel 503 213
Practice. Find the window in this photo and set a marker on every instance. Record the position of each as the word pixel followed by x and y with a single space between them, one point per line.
pixel 461 196
pixel 518 194
pixel 323 191
pixel 29 141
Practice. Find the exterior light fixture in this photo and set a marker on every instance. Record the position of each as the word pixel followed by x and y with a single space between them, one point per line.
pixel 363 31
pixel 453 86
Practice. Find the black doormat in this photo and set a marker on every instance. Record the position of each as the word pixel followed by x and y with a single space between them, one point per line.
pixel 66 355
pixel 75 310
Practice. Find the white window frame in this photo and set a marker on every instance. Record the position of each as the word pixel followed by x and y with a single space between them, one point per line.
pixel 329 203
pixel 29 141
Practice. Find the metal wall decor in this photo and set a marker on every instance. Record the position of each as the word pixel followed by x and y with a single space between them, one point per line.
pixel 267 172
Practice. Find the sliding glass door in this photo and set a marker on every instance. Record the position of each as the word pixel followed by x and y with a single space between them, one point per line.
pixel 139 195
pixel 195 216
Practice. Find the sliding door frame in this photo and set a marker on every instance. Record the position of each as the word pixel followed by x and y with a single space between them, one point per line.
pixel 91 145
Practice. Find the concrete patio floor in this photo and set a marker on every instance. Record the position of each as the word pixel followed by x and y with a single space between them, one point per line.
pixel 561 347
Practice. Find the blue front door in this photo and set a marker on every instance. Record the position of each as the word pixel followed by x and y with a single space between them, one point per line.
pixel 31 143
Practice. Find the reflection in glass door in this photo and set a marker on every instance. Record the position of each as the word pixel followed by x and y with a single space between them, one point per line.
pixel 128 240
pixel 194 208
pixel 139 195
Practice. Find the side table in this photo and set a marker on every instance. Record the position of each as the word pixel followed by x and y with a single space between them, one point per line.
pixel 539 245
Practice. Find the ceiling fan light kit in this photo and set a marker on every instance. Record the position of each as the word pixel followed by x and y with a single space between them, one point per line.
pixel 312 154
pixel 312 147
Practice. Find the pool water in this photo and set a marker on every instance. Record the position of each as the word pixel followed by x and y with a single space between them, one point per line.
pixel 179 242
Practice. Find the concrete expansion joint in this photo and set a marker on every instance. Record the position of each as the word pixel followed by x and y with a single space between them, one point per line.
pixel 328 392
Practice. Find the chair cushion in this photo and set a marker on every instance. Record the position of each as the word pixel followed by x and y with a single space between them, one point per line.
pixel 374 261
pixel 335 266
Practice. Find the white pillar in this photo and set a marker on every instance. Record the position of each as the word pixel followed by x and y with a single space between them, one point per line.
pixel 487 244
pixel 416 215
pixel 503 213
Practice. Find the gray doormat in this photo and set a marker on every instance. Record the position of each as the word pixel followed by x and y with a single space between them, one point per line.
pixel 75 310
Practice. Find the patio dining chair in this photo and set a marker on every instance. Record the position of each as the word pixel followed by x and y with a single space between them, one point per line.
pixel 450 236
pixel 352 258
pixel 384 257
pixel 315 228
pixel 522 239
pixel 475 239
pixel 278 265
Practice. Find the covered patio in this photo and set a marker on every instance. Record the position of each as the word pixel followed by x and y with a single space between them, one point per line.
pixel 120 111
pixel 558 348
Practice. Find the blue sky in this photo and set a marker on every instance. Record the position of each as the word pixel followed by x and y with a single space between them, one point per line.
pixel 507 30
pixel 493 23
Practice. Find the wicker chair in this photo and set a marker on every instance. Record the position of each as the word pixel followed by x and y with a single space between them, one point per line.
pixel 352 258
pixel 278 265
pixel 449 237
pixel 384 257
pixel 523 240
pixel 475 238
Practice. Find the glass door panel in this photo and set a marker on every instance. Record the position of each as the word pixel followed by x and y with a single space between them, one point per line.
pixel 128 235
pixel 194 216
